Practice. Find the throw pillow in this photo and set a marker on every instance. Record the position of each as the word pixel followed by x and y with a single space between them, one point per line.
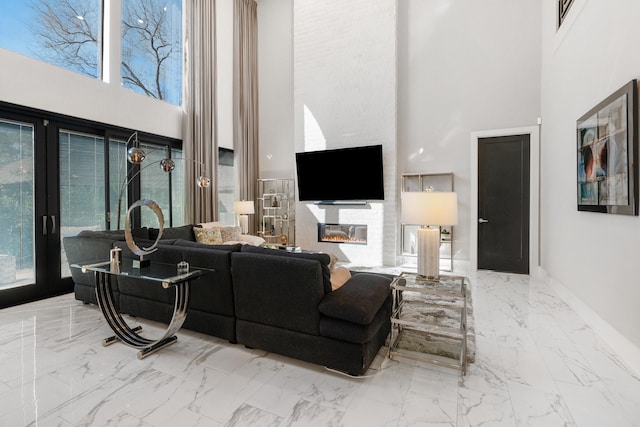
pixel 209 236
pixel 339 276
pixel 229 233
pixel 211 224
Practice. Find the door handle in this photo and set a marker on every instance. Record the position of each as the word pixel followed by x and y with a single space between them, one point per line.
pixel 45 228
pixel 482 220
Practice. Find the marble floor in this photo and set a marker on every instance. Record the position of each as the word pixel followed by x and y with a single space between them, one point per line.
pixel 537 364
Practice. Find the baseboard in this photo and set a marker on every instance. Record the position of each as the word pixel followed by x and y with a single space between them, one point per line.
pixel 625 349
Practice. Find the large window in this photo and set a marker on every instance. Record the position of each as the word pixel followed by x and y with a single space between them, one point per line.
pixel 152 48
pixel 61 32
pixel 69 33
pixel 148 181
pixel 155 184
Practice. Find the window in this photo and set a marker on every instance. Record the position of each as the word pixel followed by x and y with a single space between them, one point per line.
pixel 155 184
pixel 69 33
pixel 226 186
pixel 163 188
pixel 177 190
pixel 16 203
pixel 61 32
pixel 152 48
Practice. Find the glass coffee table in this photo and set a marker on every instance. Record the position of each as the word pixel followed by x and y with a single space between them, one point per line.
pixel 429 320
pixel 166 275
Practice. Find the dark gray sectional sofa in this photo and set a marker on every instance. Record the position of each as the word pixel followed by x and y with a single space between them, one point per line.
pixel 262 298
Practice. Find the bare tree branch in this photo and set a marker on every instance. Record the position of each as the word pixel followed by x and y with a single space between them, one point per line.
pixel 68 34
pixel 63 32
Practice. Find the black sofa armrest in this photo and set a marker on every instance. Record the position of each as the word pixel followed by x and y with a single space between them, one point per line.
pixel 358 300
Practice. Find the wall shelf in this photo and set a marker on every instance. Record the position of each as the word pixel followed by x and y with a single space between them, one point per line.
pixel 275 210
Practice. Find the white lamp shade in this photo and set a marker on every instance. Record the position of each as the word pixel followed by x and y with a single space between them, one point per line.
pixel 429 208
pixel 243 207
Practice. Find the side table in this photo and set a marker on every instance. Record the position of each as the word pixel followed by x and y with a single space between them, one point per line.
pixel 165 274
pixel 409 289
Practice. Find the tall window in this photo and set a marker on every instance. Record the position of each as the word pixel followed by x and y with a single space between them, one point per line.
pixel 152 48
pixel 163 188
pixel 226 186
pixel 69 33
pixel 61 32
pixel 155 184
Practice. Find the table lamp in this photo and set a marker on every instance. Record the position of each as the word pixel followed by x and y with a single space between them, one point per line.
pixel 429 209
pixel 243 208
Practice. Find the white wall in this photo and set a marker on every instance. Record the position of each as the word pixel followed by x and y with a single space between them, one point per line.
pixel 32 83
pixel 275 88
pixel 594 255
pixel 463 67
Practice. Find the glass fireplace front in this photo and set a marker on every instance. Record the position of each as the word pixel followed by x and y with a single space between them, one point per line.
pixel 342 233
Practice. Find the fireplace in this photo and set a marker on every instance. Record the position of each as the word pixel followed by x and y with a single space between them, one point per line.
pixel 342 233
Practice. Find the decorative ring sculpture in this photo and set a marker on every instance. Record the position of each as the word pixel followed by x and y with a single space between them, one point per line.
pixel 128 237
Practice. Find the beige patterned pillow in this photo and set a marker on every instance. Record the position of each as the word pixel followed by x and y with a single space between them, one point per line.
pixel 229 233
pixel 209 236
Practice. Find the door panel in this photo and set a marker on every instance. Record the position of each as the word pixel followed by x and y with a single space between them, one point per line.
pixel 17 204
pixel 503 204
pixel 24 215
pixel 81 183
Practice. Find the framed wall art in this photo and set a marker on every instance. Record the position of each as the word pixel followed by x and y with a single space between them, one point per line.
pixel 607 153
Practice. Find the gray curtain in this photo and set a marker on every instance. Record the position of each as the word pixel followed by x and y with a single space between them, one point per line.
pixel 200 116
pixel 245 99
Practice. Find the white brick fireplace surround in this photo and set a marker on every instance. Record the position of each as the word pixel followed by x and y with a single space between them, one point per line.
pixel 344 67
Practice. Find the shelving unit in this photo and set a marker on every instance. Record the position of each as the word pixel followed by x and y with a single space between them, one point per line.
pixel 408 233
pixel 276 210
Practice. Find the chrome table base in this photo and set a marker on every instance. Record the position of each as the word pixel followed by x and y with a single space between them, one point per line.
pixel 130 336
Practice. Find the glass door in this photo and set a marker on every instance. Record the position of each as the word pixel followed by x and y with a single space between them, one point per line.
pixel 81 186
pixel 59 176
pixel 25 220
pixel 17 183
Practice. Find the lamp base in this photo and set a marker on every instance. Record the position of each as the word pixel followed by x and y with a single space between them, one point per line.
pixel 244 224
pixel 429 253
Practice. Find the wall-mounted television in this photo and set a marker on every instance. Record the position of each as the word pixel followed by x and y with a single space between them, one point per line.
pixel 340 175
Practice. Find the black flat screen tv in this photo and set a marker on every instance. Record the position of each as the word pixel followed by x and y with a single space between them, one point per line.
pixel 345 174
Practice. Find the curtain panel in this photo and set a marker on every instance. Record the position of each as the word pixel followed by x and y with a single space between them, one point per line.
pixel 200 145
pixel 245 99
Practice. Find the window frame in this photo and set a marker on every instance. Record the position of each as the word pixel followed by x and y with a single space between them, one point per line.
pixel 56 122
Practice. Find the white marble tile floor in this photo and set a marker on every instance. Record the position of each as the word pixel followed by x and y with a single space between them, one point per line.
pixel 537 364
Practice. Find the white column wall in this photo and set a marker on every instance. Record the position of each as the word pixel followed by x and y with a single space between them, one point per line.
pixel 344 62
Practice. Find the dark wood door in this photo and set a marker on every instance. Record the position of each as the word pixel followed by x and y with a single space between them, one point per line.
pixel 503 204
